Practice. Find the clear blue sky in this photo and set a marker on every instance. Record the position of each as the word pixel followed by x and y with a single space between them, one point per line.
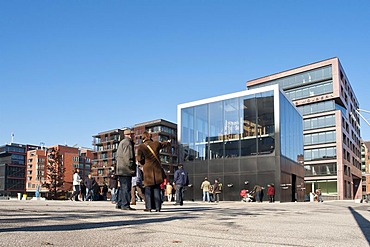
pixel 72 69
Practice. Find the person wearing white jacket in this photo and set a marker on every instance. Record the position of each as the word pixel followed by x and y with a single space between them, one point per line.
pixel 76 185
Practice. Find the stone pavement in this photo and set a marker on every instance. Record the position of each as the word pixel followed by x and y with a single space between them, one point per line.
pixel 67 223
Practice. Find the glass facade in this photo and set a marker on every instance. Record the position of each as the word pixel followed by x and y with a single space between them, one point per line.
pixel 315 76
pixel 242 136
pixel 241 126
pixel 329 169
pixel 291 130
pixel 319 122
pixel 320 153
pixel 320 138
pixel 310 91
pixel 317 107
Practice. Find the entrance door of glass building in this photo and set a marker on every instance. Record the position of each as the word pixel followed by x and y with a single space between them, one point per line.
pixel 294 191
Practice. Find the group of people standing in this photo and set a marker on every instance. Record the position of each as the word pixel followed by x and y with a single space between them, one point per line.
pixel 133 175
pixel 258 192
pixel 211 192
pixel 144 172
pixel 87 189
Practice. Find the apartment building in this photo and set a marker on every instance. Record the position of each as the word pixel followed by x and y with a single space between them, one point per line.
pixel 365 168
pixel 13 168
pixel 161 130
pixel 105 146
pixel 332 150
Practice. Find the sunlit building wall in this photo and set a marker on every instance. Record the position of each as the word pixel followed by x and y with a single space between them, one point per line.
pixel 332 151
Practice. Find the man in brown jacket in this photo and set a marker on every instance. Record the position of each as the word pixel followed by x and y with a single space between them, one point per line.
pixel 148 157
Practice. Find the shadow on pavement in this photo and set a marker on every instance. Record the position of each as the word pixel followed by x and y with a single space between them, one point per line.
pixel 90 225
pixel 186 209
pixel 363 223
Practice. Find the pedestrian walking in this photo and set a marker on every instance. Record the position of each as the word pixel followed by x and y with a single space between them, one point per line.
pixel 76 185
pixel 169 189
pixel 90 184
pixel 137 186
pixel 181 180
pixel 83 191
pixel 217 188
pixel 113 185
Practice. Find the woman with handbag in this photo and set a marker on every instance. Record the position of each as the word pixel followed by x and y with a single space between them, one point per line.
pixel 148 157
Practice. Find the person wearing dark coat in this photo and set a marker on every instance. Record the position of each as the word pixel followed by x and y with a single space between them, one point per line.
pixel 104 191
pixel 125 169
pixel 217 190
pixel 113 185
pixel 148 157
pixel 83 191
pixel 96 194
pixel 90 184
pixel 181 179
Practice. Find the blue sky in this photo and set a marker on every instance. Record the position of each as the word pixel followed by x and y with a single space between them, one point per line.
pixel 72 69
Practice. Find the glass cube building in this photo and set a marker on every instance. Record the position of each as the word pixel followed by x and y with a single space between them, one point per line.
pixel 248 138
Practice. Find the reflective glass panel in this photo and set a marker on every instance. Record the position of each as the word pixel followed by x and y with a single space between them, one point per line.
pixel 248 119
pixel 216 130
pixel 265 123
pixel 201 131
pixel 187 133
pixel 232 127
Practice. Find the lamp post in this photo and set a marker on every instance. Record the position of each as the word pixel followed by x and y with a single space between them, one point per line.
pixel 363 118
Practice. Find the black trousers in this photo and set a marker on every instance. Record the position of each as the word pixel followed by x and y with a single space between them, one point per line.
pixel 153 198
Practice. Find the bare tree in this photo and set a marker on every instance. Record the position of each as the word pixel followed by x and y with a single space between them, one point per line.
pixel 54 172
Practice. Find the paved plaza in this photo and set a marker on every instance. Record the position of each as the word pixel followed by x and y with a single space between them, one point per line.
pixel 67 223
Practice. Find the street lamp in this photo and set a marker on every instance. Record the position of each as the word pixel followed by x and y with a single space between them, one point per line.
pixel 359 113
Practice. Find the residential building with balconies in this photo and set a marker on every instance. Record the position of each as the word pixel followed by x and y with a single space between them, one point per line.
pixel 106 144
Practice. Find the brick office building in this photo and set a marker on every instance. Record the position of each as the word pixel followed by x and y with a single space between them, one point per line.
pixel 71 158
pixel 365 167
